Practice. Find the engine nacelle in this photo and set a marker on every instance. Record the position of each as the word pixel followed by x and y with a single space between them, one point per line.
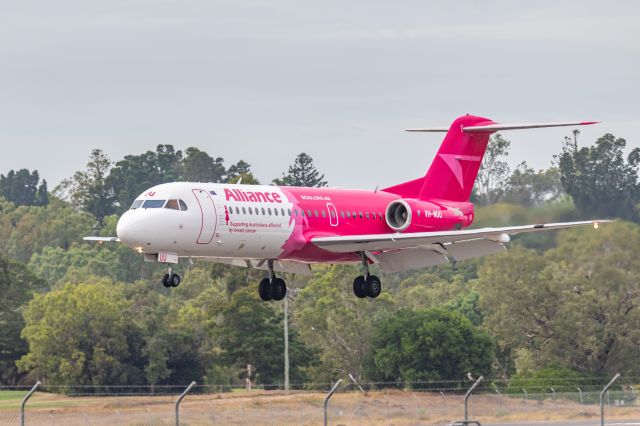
pixel 398 215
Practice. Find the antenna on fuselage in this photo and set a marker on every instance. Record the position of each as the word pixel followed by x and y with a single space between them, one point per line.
pixel 376 190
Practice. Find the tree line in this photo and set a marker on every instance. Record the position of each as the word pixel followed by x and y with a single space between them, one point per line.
pixel 564 303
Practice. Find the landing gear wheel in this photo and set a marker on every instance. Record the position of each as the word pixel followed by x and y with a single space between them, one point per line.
pixel 359 288
pixel 264 289
pixel 373 286
pixel 165 281
pixel 278 289
pixel 173 280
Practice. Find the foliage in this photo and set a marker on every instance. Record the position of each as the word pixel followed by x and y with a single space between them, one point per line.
pixel 198 166
pixel 22 189
pixel 528 188
pixel 88 190
pixel 302 173
pixel 600 180
pixel 250 332
pixel 18 286
pixel 78 335
pixel 494 170
pixel 428 344
pixel 574 306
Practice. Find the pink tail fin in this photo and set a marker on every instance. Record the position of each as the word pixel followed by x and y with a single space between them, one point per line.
pixel 454 169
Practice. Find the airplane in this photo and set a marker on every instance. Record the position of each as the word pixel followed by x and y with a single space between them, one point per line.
pixel 415 224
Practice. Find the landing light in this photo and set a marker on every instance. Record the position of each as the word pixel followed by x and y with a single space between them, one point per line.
pixel 596 225
pixel 139 249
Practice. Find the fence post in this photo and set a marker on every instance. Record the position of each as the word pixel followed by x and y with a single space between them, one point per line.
pixel 553 391
pixel 526 394
pixel 468 394
pixel 606 388
pixel 326 399
pixel 580 390
pixel 182 395
pixel 24 401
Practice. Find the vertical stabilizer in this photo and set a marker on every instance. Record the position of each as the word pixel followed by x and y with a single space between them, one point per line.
pixel 454 169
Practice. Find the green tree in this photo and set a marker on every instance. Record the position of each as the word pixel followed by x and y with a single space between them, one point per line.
pixel 130 176
pixel 198 166
pixel 575 306
pixel 494 170
pixel 529 188
pixel 302 173
pixel 428 344
pixel 241 169
pixel 88 189
pixel 78 335
pixel 22 189
pixel 250 332
pixel 337 324
pixel 18 286
pixel 599 179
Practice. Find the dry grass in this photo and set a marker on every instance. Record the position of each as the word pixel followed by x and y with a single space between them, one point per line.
pixel 394 407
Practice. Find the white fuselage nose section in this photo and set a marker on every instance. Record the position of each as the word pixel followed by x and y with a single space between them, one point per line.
pixel 214 222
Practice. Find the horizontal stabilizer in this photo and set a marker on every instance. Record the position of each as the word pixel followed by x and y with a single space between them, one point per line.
pixel 496 127
pixel 102 239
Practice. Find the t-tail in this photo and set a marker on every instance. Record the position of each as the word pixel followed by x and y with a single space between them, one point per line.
pixel 453 171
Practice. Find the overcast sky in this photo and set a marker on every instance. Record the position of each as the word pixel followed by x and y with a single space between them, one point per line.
pixel 340 80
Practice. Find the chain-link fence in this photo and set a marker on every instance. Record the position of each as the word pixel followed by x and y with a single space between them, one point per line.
pixel 410 404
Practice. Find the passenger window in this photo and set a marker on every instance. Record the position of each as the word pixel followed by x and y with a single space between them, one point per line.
pixel 172 204
pixel 250 210
pixel 418 213
pixel 269 210
pixel 360 215
pixel 282 211
pixel 349 214
pixel 333 214
pixel 308 212
pixel 367 215
pixel 289 211
pixel 342 214
pixel 183 205
pixel 153 204
pixel 238 210
pixel 244 211
pixel 136 204
pixel 354 214
pixel 324 215
pixel 315 212
pixel 301 212
pixel 275 211
pixel 263 211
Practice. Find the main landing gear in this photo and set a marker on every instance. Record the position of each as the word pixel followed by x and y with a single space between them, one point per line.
pixel 272 288
pixel 171 280
pixel 367 285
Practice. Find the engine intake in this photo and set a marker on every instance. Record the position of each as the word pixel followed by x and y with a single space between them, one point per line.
pixel 398 215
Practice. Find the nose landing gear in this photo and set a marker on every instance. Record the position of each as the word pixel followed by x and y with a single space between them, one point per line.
pixel 367 285
pixel 272 288
pixel 171 280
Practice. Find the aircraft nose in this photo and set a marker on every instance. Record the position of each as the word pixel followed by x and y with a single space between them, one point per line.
pixel 128 230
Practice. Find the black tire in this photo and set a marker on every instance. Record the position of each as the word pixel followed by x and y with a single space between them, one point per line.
pixel 373 286
pixel 174 280
pixel 359 288
pixel 278 289
pixel 165 281
pixel 264 289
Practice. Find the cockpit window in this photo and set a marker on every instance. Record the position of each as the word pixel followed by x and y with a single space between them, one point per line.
pixel 183 205
pixel 136 204
pixel 153 204
pixel 172 204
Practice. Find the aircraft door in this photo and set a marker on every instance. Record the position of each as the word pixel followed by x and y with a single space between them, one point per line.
pixel 333 214
pixel 208 216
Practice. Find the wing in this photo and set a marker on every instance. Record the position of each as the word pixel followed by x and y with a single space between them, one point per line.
pixel 102 239
pixel 398 252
